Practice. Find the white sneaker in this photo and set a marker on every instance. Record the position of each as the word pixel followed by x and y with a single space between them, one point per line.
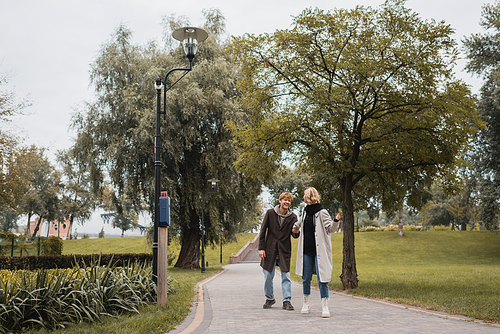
pixel 325 312
pixel 305 306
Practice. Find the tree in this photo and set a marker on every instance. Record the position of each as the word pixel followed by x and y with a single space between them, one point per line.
pixel 360 97
pixel 125 218
pixel 77 201
pixel 42 188
pixel 483 59
pixel 116 133
pixel 444 208
pixel 8 220
pixel 288 180
pixel 11 181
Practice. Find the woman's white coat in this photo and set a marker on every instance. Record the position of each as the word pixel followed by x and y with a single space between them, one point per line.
pixel 324 226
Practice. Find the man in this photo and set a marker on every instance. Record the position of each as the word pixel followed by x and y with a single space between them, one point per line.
pixel 275 249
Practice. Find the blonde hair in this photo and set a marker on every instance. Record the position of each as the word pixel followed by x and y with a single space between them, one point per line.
pixel 311 196
pixel 287 196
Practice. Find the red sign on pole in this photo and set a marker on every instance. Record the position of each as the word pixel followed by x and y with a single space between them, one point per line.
pixel 163 194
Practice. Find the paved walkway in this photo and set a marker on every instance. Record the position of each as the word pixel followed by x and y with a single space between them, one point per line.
pixel 233 300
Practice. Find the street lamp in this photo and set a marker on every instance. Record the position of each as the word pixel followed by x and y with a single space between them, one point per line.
pixel 213 182
pixel 222 233
pixel 189 37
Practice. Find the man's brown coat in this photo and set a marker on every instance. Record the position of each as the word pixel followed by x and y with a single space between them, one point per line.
pixel 273 237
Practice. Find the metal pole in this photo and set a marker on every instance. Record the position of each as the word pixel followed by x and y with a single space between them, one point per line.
pixel 203 234
pixel 157 146
pixel 157 149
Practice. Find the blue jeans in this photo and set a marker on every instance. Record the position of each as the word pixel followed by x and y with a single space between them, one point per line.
pixel 286 283
pixel 309 261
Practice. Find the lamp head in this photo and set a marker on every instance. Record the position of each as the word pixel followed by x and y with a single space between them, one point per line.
pixel 213 182
pixel 158 84
pixel 190 36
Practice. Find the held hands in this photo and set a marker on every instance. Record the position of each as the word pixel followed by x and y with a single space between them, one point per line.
pixel 295 230
pixel 262 254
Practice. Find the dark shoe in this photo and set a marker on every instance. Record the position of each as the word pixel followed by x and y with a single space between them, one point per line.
pixel 287 306
pixel 269 303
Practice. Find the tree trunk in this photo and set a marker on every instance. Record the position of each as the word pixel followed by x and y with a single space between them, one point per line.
pixel 349 275
pixel 400 225
pixel 68 235
pixel 189 256
pixel 28 232
pixel 37 228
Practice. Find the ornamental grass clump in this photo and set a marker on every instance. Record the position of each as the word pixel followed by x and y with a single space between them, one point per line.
pixel 54 298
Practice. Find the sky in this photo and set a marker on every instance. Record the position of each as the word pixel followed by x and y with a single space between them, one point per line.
pixel 47 46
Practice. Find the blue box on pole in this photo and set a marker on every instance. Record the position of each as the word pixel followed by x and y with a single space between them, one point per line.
pixel 164 212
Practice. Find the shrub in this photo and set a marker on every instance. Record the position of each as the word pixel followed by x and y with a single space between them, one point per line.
pixel 440 228
pixel 369 223
pixel 412 228
pixel 52 246
pixel 170 258
pixel 53 298
pixel 69 261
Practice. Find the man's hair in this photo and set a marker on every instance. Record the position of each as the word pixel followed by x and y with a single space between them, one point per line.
pixel 287 196
pixel 311 196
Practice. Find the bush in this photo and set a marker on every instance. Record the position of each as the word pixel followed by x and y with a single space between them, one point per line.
pixel 412 228
pixel 52 246
pixel 369 223
pixel 390 228
pixel 170 258
pixel 53 298
pixel 69 261
pixel 440 228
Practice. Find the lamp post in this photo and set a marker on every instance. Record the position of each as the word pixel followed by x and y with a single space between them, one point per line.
pixel 220 239
pixel 222 233
pixel 213 182
pixel 189 37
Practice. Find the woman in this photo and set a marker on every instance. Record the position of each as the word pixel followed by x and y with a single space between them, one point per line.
pixel 315 248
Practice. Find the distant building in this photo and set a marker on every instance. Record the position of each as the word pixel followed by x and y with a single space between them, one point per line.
pixel 55 228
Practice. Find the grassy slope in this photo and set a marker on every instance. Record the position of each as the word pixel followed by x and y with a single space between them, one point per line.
pixel 455 272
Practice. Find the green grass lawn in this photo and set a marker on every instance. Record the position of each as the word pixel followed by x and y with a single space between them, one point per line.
pixel 454 272
pixel 107 246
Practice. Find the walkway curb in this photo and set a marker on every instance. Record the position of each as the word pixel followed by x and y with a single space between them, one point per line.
pixel 199 316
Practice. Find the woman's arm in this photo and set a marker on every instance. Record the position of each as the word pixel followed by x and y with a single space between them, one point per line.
pixel 328 223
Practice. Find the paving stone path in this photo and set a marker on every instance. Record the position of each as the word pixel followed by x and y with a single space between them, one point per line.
pixel 231 302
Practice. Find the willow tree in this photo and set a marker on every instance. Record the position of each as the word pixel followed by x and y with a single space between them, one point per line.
pixel 76 200
pixel 483 56
pixel 116 133
pixel 359 97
